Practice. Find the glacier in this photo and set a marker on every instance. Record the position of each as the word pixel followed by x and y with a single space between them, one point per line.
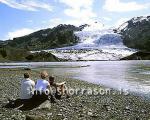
pixel 95 43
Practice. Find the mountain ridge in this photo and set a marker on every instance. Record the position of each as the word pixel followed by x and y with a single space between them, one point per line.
pixel 18 48
pixel 59 36
pixel 135 33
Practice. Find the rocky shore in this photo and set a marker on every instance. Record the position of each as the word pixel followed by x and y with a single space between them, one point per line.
pixel 113 106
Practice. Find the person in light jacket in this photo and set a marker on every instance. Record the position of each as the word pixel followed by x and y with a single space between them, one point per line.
pixel 43 89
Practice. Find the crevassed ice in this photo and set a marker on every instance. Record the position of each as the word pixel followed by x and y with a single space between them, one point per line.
pixel 96 43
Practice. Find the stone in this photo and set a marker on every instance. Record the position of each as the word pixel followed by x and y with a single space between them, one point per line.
pixel 60 114
pixel 33 117
pixel 27 68
pixel 65 119
pixel 45 105
pixel 90 113
pixel 49 114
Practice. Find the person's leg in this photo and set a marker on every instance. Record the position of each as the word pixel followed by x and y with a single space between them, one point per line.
pixel 14 103
pixel 65 91
pixel 62 89
pixel 58 95
pixel 51 96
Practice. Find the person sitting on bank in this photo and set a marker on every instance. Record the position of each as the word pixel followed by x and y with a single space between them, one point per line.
pixel 27 87
pixel 60 88
pixel 43 89
pixel 26 92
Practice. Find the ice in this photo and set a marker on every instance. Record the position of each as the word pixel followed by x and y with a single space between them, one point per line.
pixel 96 43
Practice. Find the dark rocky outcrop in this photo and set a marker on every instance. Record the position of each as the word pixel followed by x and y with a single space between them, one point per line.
pixel 141 55
pixel 12 54
pixel 136 33
pixel 1 42
pixel 42 57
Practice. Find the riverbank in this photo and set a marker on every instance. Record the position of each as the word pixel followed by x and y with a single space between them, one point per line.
pixel 114 106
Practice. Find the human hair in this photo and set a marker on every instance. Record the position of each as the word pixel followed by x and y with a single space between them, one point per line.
pixel 44 74
pixel 51 78
pixel 26 75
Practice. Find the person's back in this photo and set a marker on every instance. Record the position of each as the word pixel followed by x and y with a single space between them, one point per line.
pixel 42 85
pixel 42 88
pixel 27 87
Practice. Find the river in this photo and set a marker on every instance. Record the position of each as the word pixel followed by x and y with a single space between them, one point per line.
pixel 130 75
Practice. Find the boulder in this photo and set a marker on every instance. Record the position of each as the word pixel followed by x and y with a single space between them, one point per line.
pixel 33 117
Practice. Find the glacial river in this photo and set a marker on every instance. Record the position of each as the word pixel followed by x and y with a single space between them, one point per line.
pixel 129 75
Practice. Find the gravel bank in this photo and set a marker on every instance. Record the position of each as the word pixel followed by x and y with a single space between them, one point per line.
pixel 113 106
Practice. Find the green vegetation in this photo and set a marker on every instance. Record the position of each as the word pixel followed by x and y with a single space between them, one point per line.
pixel 60 36
pixel 42 56
pixel 12 54
pixel 18 48
pixel 137 33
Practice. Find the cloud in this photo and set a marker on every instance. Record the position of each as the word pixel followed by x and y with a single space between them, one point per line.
pixel 77 3
pixel 80 13
pixel 79 9
pixel 121 21
pixel 55 21
pixel 77 22
pixel 118 6
pixel 107 18
pixel 19 33
pixel 29 5
pixel 29 21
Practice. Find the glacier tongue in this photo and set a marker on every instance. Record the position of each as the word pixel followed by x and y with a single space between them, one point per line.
pixel 99 38
pixel 95 44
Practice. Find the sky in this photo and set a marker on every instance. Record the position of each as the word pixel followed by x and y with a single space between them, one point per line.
pixel 21 17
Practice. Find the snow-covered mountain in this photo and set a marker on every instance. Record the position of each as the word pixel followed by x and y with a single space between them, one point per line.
pixel 136 33
pixel 96 43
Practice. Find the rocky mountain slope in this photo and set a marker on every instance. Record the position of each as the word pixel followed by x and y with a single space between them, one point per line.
pixel 59 36
pixel 18 48
pixel 136 33
pixel 86 42
pixel 12 54
pixel 140 55
pixel 1 42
